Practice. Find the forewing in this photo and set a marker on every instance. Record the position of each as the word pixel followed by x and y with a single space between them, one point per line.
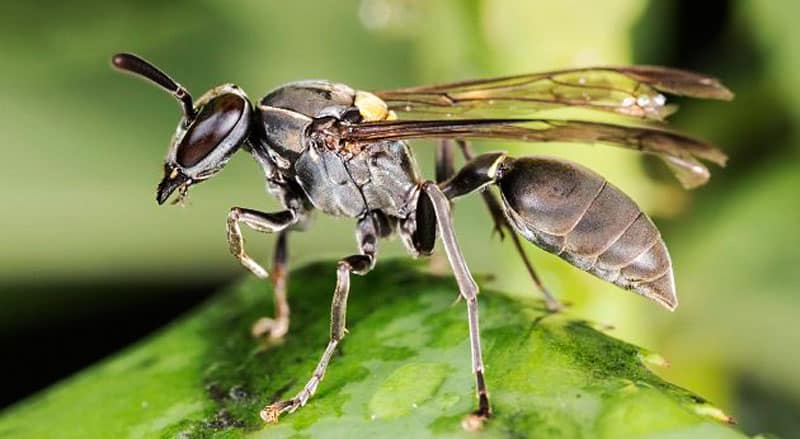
pixel 634 91
pixel 680 152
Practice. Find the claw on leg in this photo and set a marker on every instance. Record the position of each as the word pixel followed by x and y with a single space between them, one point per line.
pixel 272 412
pixel 474 421
pixel 554 306
pixel 266 327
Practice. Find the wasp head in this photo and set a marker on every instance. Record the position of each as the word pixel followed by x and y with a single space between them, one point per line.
pixel 210 131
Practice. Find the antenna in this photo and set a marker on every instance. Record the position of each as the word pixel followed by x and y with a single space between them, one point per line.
pixel 131 63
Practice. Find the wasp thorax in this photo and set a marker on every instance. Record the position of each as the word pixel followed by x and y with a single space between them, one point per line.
pixel 213 126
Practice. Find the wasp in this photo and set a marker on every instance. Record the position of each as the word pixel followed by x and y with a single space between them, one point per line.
pixel 326 146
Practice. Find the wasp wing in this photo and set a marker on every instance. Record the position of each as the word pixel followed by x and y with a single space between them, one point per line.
pixel 634 91
pixel 680 152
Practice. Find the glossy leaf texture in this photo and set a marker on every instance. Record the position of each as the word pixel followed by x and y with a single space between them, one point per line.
pixel 403 371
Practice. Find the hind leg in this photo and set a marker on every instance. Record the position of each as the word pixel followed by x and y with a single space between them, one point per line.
pixel 468 289
pixel 477 174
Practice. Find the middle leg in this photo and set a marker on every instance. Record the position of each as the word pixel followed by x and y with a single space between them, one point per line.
pixel 361 264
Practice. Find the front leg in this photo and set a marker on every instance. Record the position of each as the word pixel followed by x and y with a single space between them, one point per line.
pixel 258 221
pixel 361 264
pixel 267 223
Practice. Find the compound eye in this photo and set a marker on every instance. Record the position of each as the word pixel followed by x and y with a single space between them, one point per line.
pixel 212 126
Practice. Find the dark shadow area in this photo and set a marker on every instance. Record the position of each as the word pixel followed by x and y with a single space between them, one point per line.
pixel 709 37
pixel 706 37
pixel 766 409
pixel 42 355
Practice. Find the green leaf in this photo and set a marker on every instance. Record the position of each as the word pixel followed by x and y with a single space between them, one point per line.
pixel 403 371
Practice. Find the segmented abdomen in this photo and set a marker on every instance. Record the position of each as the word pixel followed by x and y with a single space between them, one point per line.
pixel 576 214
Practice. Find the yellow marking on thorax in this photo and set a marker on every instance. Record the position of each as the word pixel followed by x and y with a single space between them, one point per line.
pixel 372 108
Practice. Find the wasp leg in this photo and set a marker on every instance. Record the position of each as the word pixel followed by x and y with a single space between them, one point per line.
pixel 267 223
pixel 501 224
pixel 277 326
pixel 360 264
pixel 469 291
pixel 445 167
pixel 425 225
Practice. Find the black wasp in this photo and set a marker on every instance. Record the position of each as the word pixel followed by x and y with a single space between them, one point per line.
pixel 324 145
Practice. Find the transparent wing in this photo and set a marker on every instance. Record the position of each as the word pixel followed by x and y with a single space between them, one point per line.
pixel 680 152
pixel 634 91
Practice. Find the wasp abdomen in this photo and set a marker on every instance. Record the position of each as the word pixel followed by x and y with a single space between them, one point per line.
pixel 576 214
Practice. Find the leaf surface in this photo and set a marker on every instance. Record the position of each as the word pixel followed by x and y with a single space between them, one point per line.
pixel 403 371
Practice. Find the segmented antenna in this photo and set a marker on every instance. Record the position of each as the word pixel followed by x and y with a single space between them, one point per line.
pixel 131 63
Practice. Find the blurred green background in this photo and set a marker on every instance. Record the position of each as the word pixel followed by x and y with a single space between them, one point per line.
pixel 88 262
